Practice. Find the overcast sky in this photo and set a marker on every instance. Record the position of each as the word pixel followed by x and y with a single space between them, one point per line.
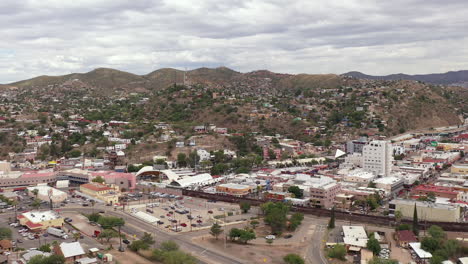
pixel 311 36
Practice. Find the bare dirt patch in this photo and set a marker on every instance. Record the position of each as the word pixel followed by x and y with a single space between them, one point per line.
pixel 248 252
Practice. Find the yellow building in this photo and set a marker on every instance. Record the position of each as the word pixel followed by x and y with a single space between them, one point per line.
pixel 37 220
pixel 426 210
pixel 234 189
pixel 109 195
pixel 459 169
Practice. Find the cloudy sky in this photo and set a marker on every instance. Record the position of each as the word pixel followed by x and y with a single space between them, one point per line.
pixel 297 36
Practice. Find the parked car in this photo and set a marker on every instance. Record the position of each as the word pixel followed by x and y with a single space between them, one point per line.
pixel 288 236
pixel 126 241
pixel 183 225
pixel 270 237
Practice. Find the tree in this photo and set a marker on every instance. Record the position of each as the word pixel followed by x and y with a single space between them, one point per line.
pixel 298 192
pixel 173 257
pixel 398 216
pixel 169 246
pixel 295 221
pixel 137 245
pixel 373 245
pixel 245 207
pixel 35 192
pixel 415 221
pixel 377 260
pixel 76 236
pixel 431 197
pixel 234 233
pixel 94 217
pixel 337 252
pixel 436 232
pixel 45 248
pixel 247 235
pixel 331 222
pixel 5 233
pixel 430 244
pixel 108 234
pixel 216 230
pixel 254 223
pixel 293 259
pixel 108 222
pixel 403 227
pixel 243 235
pixel 436 259
pixel 181 160
pixel 276 215
pixel 36 203
pixel 52 259
pixel 99 179
pixel 148 239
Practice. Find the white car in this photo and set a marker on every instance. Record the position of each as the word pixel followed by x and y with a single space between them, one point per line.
pixel 270 237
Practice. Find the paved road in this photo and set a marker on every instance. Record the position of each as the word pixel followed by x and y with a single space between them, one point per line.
pixel 314 251
pixel 138 227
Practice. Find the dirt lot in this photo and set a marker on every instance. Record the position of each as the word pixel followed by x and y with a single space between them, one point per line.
pixel 250 253
pixel 129 257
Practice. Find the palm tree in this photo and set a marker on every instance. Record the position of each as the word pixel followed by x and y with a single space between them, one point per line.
pixel 35 192
pixel 15 203
pixel 76 236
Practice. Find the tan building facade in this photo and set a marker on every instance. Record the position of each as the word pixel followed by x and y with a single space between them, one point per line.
pixel 427 211
pixel 459 169
pixel 109 195
pixel 234 189
pixel 40 220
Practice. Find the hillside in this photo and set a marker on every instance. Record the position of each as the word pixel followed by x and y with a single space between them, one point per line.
pixel 255 101
pixel 459 78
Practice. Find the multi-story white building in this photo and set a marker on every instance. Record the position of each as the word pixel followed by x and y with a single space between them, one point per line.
pixel 378 157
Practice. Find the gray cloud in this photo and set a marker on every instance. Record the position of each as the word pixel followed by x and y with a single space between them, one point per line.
pixel 327 36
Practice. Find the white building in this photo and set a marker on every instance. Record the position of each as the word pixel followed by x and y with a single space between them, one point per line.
pixel 45 193
pixel 203 154
pixel 390 185
pixel 408 178
pixel 359 176
pixel 378 157
pixel 355 236
pixel 352 160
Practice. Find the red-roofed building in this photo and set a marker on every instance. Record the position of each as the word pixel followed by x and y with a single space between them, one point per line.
pixel 404 237
pixel 439 191
pixel 461 137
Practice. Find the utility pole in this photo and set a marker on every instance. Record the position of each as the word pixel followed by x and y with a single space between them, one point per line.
pixel 121 249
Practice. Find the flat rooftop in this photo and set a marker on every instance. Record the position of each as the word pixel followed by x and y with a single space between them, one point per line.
pixel 38 216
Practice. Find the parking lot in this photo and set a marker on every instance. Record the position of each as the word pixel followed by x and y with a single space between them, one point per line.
pixel 22 238
pixel 183 214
